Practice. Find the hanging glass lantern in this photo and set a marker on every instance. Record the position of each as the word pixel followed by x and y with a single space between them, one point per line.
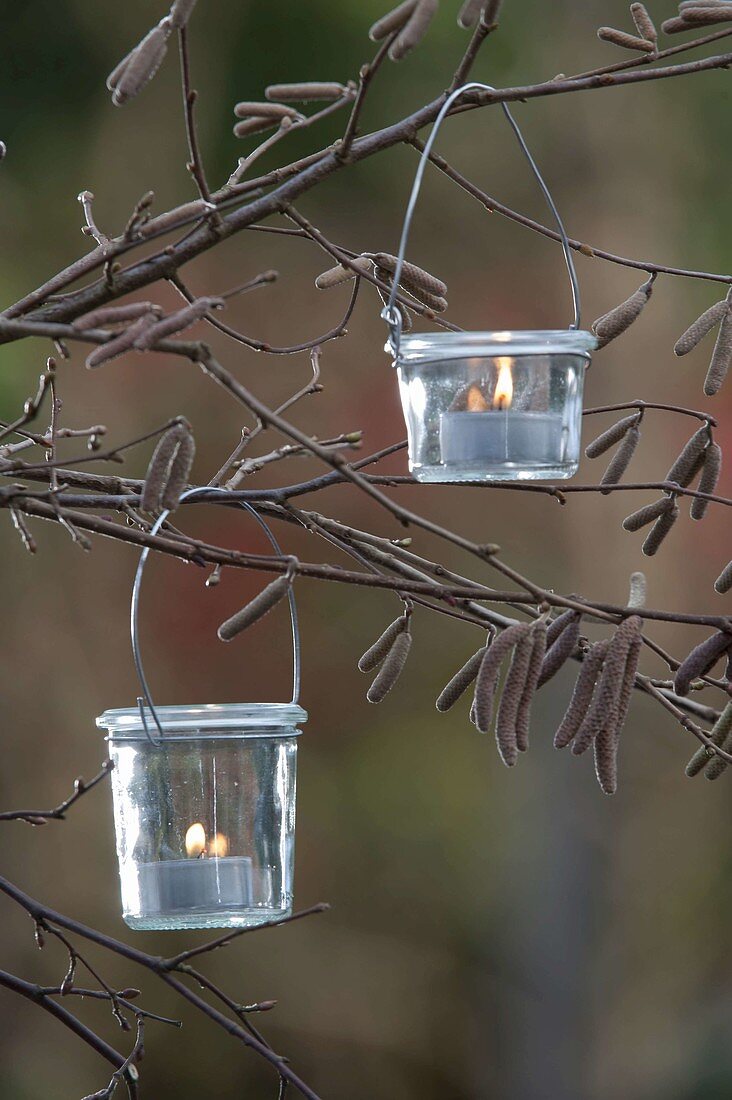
pixel 204 807
pixel 484 406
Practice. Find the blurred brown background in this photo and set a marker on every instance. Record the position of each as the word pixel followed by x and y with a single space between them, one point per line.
pixel 494 935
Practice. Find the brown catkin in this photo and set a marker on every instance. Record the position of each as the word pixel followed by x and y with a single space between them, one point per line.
pixel 558 626
pixel 181 12
pixel 717 735
pixel 701 660
pixel 702 15
pixel 461 681
pixel 256 609
pixel 470 13
pixel 721 357
pixel 643 22
pixel 376 653
pixel 689 462
pixel 723 582
pixel 627 41
pixel 391 669
pixel 708 481
pixel 256 126
pixel 177 322
pixel 306 92
pixel 140 66
pixel 621 459
pixel 158 470
pixel 611 436
pixel 698 329
pixel 180 468
pixel 536 664
pixel 414 29
pixel 392 21
pixel 334 276
pixel 112 315
pixel 612 324
pixel 559 652
pixel 582 694
pixel 660 529
pixel 513 688
pixel 645 515
pixel 606 742
pixel 120 344
pixel 724 724
pixel 602 715
pixel 248 109
pixel 487 679
pixel 412 277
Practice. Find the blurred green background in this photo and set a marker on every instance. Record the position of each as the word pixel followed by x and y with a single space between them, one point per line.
pixel 494 935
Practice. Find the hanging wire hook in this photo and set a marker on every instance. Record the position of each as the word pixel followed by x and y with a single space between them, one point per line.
pixel 390 313
pixel 146 697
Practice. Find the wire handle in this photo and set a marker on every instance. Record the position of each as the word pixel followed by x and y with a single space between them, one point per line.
pixel 390 313
pixel 146 697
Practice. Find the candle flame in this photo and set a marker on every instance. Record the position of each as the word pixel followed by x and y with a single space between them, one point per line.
pixel 503 395
pixel 219 846
pixel 196 839
pixel 475 402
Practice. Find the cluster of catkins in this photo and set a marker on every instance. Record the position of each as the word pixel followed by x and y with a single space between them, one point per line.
pixel 275 113
pixel 169 468
pixel 700 457
pixel 140 65
pixel 694 14
pixel 535 652
pixel 424 288
pixel 407 24
pixel 645 41
pixel 700 662
pixel 617 320
pixel 143 326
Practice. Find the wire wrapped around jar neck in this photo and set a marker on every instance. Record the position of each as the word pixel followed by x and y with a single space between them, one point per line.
pixel 390 313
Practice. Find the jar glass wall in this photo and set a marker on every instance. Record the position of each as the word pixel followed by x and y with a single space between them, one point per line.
pixel 493 405
pixel 205 818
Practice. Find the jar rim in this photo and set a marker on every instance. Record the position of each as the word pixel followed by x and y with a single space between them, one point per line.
pixel 247 719
pixel 426 347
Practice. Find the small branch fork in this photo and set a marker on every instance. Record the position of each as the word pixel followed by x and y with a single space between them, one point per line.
pixel 68 493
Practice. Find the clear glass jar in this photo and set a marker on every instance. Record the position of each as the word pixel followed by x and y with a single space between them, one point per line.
pixel 205 818
pixel 484 406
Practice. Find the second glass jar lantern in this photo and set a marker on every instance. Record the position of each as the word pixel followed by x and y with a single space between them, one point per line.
pixel 487 406
pixel 493 405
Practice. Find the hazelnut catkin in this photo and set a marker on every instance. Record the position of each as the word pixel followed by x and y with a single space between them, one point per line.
pixel 139 67
pixel 412 277
pixel 612 324
pixel 536 661
pixel 723 729
pixel 414 29
pixel 392 21
pixel 701 660
pixel 648 513
pixel 643 22
pixel 506 737
pixel 376 653
pixel 487 679
pixel 660 529
pixel 689 462
pixel 637 594
pixel 391 669
pixel 177 322
pixel 248 109
pixel 163 466
pixel 582 694
pixel 118 345
pixel 717 735
pixel 462 680
pixel 723 582
pixel 561 649
pixel 112 315
pixel 698 329
pixel 305 92
pixel 627 41
pixel 268 598
pixel 721 357
pixel 621 459
pixel 180 469
pixel 611 436
pixel 708 481
pixel 334 276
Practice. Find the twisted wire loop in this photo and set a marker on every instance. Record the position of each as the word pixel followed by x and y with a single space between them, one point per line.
pixel 390 313
pixel 146 698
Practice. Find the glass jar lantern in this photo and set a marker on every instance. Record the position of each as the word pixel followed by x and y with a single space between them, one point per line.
pixel 204 796
pixel 205 816
pixel 483 406
pixel 487 406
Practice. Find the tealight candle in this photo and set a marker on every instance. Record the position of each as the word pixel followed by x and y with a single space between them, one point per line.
pixel 207 880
